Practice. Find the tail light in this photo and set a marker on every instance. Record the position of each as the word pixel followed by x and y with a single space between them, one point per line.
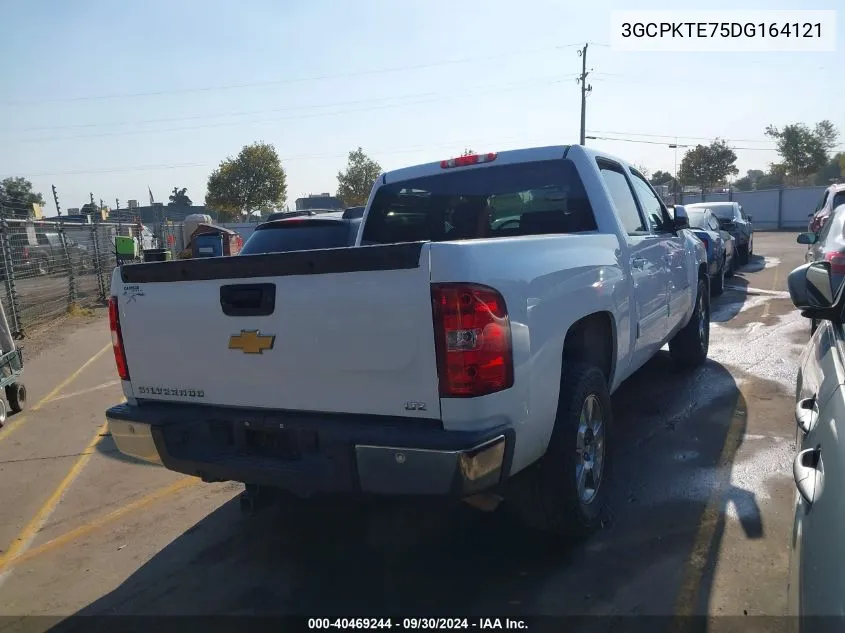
pixel 468 159
pixel 837 263
pixel 117 340
pixel 472 339
pixel 26 252
pixel 706 241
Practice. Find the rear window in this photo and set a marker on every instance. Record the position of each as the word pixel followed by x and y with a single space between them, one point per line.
pixel 535 198
pixel 696 219
pixel 723 213
pixel 298 236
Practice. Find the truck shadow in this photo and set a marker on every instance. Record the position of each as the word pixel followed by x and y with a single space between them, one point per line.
pixel 677 435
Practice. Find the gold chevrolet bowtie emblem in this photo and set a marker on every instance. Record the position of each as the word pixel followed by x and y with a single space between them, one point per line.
pixel 251 342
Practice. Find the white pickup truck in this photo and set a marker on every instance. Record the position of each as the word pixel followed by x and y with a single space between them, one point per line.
pixel 467 344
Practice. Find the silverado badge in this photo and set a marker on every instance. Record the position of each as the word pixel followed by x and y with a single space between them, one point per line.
pixel 252 342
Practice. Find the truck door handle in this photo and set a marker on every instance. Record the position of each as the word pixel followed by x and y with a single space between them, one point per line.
pixel 248 299
pixel 638 262
pixel 808 471
pixel 806 414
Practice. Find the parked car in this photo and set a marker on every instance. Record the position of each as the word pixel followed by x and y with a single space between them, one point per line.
pixel 832 197
pixel 733 219
pixel 436 357
pixel 816 559
pixel 720 245
pixel 827 245
pixel 329 230
pixel 46 253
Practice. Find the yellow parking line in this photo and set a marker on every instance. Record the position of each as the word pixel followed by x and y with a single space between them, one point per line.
pixel 16 422
pixel 28 534
pixel 64 539
pixel 699 557
pixel 774 287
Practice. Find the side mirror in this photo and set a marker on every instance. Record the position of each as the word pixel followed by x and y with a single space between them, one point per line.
pixel 811 290
pixel 681 218
pixel 807 238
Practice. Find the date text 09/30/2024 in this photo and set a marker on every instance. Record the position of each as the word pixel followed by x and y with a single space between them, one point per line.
pixel 413 624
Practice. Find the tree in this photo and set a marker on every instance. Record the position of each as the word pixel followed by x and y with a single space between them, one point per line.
pixel 253 180
pixel 707 165
pixel 804 151
pixel 179 198
pixel 749 180
pixel 661 178
pixel 17 193
pixel 832 171
pixel 354 185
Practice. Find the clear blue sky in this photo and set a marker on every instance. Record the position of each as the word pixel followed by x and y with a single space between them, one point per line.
pixel 110 97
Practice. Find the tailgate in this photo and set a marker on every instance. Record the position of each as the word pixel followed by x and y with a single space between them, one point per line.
pixel 344 330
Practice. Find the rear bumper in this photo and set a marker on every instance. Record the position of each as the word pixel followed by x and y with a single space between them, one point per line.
pixel 314 453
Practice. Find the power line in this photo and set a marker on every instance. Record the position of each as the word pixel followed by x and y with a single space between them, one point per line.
pixel 272 82
pixel 677 136
pixel 665 144
pixel 520 86
pixel 410 149
pixel 498 85
pixel 283 159
pixel 635 140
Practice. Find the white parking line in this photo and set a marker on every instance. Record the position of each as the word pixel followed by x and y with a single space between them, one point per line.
pixel 781 294
pixel 84 391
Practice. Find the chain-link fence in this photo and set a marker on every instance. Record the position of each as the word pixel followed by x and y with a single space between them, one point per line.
pixel 50 267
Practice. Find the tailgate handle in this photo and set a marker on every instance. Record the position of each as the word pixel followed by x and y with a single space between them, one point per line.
pixel 248 299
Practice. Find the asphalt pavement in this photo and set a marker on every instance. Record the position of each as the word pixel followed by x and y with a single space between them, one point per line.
pixel 699 520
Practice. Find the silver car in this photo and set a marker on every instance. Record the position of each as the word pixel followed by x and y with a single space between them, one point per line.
pixel 828 245
pixel 817 560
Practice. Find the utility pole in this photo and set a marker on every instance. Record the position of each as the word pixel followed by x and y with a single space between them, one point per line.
pixel 585 88
pixel 56 200
pixel 675 173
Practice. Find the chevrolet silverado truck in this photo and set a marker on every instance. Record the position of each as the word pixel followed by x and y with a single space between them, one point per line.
pixel 465 346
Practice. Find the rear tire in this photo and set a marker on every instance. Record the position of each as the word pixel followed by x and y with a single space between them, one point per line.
pixel 565 492
pixel 16 395
pixel 688 347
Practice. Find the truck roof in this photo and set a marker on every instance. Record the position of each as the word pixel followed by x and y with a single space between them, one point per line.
pixel 529 154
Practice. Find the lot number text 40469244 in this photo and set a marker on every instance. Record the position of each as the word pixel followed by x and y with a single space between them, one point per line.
pixel 414 624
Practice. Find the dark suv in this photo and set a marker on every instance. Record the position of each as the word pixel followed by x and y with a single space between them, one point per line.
pixel 732 219
pixel 303 233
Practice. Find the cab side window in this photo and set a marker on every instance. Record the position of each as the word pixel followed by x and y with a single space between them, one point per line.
pixel 651 204
pixel 622 197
